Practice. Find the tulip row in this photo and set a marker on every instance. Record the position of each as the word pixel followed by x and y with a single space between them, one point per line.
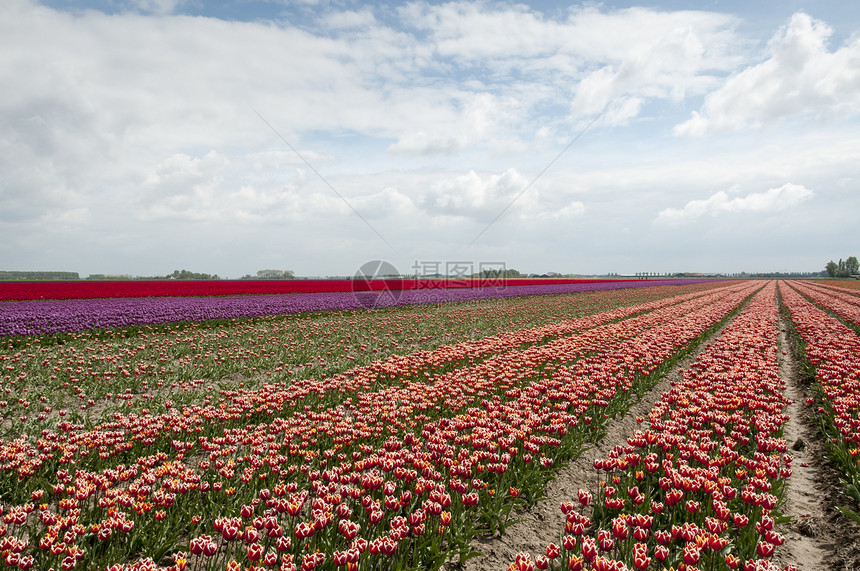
pixel 837 300
pixel 401 378
pixel 699 487
pixel 133 370
pixel 56 316
pixel 845 286
pixel 460 445
pixel 393 474
pixel 297 394
pixel 832 352
pixel 27 290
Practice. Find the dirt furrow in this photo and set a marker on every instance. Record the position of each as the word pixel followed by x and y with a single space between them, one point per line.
pixel 808 543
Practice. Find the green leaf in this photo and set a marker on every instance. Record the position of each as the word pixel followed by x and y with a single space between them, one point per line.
pixel 849 514
pixel 470 555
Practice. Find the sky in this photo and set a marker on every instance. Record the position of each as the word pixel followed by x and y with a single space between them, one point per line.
pixel 143 136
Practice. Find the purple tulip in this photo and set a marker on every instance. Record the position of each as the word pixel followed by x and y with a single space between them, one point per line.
pixel 66 316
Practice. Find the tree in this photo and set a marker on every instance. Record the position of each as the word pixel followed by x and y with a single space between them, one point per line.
pixel 843 269
pixel 188 275
pixel 275 274
pixel 492 274
pixel 852 267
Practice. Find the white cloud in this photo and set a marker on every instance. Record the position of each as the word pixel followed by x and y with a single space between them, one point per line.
pixel 160 7
pixel 350 19
pixel 138 129
pixel 570 211
pixel 591 58
pixel 772 200
pixel 800 77
pixel 102 76
pixel 475 196
pixel 179 173
pixel 681 53
pixel 387 202
pixel 423 143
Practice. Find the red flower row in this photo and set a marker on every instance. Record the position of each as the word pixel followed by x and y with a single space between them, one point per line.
pixel 183 288
pixel 698 488
pixel 398 460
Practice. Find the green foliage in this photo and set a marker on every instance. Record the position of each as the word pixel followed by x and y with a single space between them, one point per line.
pixel 508 273
pixel 276 274
pixel 186 275
pixel 843 269
pixel 38 276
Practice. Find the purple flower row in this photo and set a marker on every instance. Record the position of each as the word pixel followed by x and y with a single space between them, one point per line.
pixel 66 316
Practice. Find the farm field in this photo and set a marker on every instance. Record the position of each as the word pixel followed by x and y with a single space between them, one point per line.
pixel 151 305
pixel 415 436
pixel 23 290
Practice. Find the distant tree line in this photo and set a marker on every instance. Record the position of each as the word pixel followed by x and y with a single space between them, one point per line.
pixel 111 277
pixel 271 275
pixel 843 269
pixel 38 276
pixel 509 273
pixel 777 275
pixel 176 275
pixel 186 275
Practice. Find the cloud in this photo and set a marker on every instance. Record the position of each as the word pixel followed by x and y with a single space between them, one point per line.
pixel 475 119
pixel 574 209
pixel 423 143
pixel 350 19
pixel 387 202
pixel 591 58
pixel 160 7
pixel 134 130
pixel 180 173
pixel 681 53
pixel 773 200
pixel 463 77
pixel 472 195
pixel 800 77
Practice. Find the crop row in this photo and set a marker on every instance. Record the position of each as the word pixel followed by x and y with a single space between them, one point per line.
pixel 320 473
pixel 832 352
pixel 850 286
pixel 184 288
pixel 698 488
pixel 836 300
pixel 68 315
pixel 541 344
pixel 128 370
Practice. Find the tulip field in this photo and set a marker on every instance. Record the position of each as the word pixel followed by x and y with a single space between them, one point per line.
pixel 88 289
pixel 223 432
pixel 82 306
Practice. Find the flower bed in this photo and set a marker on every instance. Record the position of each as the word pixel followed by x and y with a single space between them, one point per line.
pixel 56 316
pixel 387 466
pixel 832 353
pixel 699 487
pixel 31 290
